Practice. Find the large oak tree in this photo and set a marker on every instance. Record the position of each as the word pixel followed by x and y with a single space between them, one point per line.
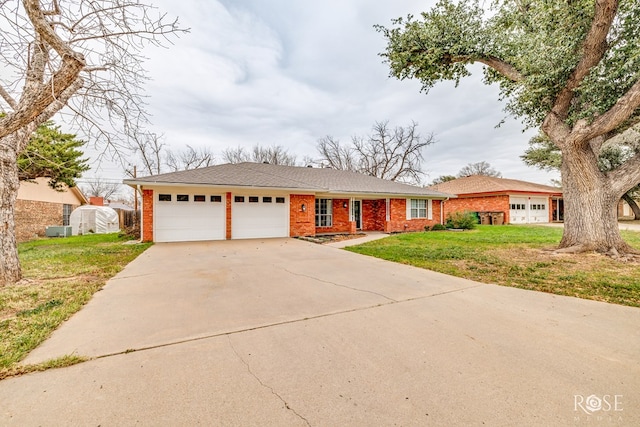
pixel 83 56
pixel 568 67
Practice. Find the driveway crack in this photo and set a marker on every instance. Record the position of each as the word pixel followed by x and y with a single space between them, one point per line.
pixel 268 387
pixel 340 286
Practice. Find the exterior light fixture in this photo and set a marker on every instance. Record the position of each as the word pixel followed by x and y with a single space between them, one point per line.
pixel 344 205
pixel 303 207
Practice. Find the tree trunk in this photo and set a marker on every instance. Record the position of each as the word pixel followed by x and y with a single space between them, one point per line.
pixel 590 217
pixel 10 271
pixel 633 205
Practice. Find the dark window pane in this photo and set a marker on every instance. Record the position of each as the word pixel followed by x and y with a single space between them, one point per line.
pixel 164 197
pixel 279 199
pixel 254 199
pixel 239 199
pixel 267 199
pixel 216 199
pixel 182 197
pixel 199 198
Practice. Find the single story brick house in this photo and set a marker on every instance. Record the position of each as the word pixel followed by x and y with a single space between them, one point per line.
pixel 257 200
pixel 39 206
pixel 520 202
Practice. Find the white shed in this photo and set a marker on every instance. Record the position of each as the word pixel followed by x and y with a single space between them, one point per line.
pixel 89 219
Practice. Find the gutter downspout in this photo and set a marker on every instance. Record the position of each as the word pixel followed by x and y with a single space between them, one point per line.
pixel 141 214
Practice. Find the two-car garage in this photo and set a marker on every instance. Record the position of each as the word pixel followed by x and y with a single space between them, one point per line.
pixel 181 215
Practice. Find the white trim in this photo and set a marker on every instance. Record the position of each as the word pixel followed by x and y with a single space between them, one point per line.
pixel 429 209
pixel 388 209
pixel 408 209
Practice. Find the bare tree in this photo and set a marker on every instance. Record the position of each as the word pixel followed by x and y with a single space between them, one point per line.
pixel 275 155
pixel 83 55
pixel 99 187
pixel 479 168
pixel 189 158
pixel 337 156
pixel 393 154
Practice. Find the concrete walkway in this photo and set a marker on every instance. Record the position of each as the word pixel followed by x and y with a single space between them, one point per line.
pixel 283 332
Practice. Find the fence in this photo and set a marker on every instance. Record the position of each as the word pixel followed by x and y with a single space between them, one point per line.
pixel 128 219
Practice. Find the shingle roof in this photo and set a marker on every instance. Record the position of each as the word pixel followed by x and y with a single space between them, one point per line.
pixel 477 184
pixel 263 175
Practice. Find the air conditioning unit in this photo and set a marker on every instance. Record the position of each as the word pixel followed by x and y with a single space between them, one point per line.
pixel 58 231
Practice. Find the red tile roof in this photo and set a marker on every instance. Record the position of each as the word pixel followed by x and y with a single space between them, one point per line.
pixel 478 184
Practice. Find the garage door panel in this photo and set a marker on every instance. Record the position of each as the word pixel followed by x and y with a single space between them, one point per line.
pixel 260 219
pixel 189 221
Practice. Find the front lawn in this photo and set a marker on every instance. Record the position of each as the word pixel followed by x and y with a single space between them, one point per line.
pixel 60 276
pixel 518 256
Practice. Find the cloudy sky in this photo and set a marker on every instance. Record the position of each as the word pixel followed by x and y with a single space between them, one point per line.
pixel 288 72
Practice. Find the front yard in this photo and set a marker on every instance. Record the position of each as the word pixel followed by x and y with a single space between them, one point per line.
pixel 60 276
pixel 518 256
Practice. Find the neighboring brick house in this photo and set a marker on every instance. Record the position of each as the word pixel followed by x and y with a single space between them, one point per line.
pixel 256 200
pixel 39 206
pixel 520 202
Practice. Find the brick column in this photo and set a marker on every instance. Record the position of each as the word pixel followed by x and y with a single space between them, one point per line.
pixel 147 215
pixel 228 235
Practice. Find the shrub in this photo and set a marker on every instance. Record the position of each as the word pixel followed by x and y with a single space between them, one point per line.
pixel 438 227
pixel 427 228
pixel 465 220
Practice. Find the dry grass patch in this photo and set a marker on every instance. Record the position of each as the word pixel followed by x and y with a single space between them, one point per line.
pixel 61 275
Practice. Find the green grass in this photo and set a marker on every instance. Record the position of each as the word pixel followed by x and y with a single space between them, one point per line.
pixel 518 256
pixel 60 276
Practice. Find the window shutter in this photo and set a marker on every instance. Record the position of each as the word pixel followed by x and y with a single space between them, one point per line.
pixel 429 209
pixel 408 209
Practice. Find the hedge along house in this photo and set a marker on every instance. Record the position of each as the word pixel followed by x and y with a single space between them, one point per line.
pixel 255 200
pixel 521 202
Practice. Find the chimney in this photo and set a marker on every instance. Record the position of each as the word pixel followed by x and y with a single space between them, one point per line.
pixel 96 201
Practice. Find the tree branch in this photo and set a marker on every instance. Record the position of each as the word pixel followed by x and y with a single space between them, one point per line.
pixel 626 176
pixel 504 68
pixel 8 98
pixel 609 121
pixel 593 50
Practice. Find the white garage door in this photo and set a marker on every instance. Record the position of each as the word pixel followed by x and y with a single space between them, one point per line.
pixel 518 210
pixel 184 217
pixel 254 216
pixel 528 210
pixel 538 210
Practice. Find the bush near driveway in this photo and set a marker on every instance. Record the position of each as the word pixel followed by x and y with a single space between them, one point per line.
pixel 60 276
pixel 518 256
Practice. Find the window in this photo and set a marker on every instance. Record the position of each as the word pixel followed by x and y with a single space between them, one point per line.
pixel 238 199
pixel 217 199
pixel 267 199
pixel 279 199
pixel 182 197
pixel 254 199
pixel 199 198
pixel 164 197
pixel 66 213
pixel 324 216
pixel 418 208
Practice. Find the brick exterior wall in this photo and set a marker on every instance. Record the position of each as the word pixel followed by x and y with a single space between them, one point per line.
pixel 228 219
pixel 302 223
pixel 399 223
pixel 478 204
pixel 147 215
pixel 374 215
pixel 341 223
pixel 32 217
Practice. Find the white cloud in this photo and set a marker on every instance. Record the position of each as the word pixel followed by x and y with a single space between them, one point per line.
pixel 289 72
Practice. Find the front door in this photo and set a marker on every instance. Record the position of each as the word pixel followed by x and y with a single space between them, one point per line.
pixel 357 213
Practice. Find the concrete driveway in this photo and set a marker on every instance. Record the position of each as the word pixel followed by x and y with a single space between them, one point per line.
pixel 284 332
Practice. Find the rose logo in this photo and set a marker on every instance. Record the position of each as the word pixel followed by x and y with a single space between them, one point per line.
pixel 593 403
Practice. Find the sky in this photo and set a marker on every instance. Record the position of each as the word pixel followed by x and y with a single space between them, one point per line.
pixel 289 72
